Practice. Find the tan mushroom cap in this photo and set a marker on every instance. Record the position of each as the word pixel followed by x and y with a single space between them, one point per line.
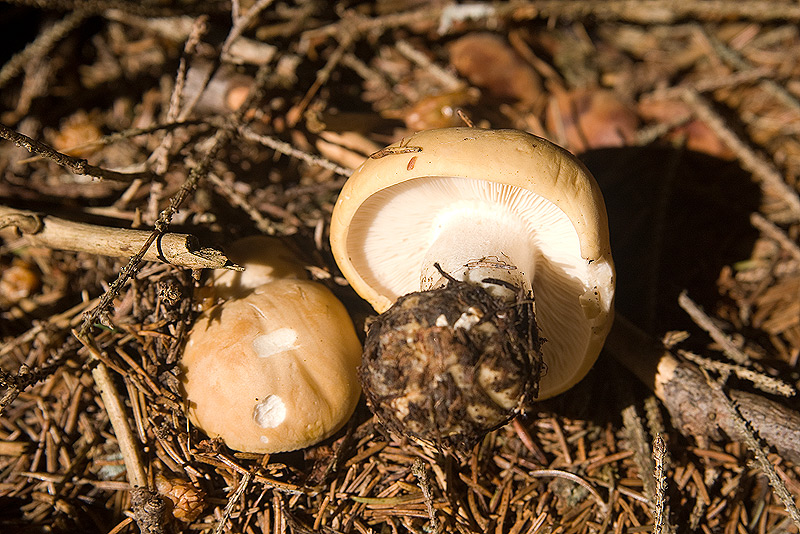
pixel 273 371
pixel 264 258
pixel 578 276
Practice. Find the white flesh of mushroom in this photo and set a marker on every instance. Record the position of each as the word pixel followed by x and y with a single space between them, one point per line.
pixel 275 342
pixel 269 413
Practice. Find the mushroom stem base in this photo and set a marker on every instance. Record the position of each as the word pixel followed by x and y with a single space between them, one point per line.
pixel 448 365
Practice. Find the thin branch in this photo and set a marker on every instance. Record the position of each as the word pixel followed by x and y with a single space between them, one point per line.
pixel 661 524
pixel 418 469
pixel 144 503
pixel 197 172
pixel 763 382
pixel 285 148
pixel 238 200
pixel 159 155
pixel 241 22
pixel 117 416
pixel 704 321
pixel 736 61
pixel 293 117
pixel 692 405
pixel 161 225
pixel 637 11
pixel 750 439
pixel 74 165
pixel 133 132
pixel 146 9
pixel 772 231
pixel 448 80
pixel 710 84
pixel 182 250
pixel 26 377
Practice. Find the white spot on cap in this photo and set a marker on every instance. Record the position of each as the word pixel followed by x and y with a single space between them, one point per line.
pixel 441 320
pixel 269 412
pixel 275 342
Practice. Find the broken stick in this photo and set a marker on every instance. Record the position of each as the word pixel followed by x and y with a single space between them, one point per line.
pixel 182 250
pixel 694 407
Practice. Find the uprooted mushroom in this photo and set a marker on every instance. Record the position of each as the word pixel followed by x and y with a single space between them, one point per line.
pixel 486 254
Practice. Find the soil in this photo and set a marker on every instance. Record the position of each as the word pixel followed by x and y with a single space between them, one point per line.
pixel 448 365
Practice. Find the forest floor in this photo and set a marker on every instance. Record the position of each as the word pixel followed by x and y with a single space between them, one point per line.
pixel 223 120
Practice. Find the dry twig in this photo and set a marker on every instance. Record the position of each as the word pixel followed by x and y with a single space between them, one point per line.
pixel 763 382
pixel 195 175
pixel 773 232
pixel 282 147
pixel 661 525
pixel 638 11
pixel 752 442
pixel 704 321
pixel 75 165
pixel 689 400
pixel 181 250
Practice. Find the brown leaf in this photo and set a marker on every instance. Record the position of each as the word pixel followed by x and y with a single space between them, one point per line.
pixel 489 62
pixel 591 118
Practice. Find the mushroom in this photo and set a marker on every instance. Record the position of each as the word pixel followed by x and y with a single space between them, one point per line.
pixel 486 253
pixel 264 258
pixel 275 368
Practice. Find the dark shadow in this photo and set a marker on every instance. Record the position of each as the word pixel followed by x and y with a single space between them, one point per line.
pixel 676 219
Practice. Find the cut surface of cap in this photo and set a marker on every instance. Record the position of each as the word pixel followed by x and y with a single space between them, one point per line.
pixel 273 371
pixel 503 199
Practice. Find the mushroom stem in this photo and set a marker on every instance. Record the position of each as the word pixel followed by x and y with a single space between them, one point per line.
pixel 473 247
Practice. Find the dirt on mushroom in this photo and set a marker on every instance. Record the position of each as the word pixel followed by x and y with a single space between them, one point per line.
pixel 449 365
